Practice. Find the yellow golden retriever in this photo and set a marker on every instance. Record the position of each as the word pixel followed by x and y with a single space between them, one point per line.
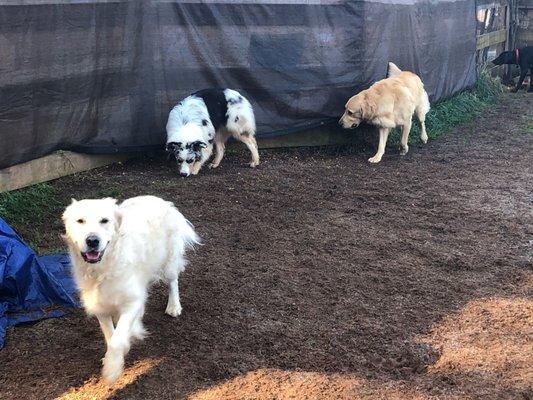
pixel 389 103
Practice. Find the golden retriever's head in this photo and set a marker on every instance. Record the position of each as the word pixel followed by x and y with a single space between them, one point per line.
pixel 89 227
pixel 357 109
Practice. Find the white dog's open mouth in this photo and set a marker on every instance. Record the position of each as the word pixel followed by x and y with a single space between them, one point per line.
pixel 92 257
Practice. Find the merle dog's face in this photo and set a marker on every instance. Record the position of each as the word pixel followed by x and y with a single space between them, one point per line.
pixel 186 154
pixel 507 57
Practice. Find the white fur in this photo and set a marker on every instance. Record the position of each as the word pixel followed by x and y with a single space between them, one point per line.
pixel 241 110
pixel 143 240
pixel 185 126
pixel 191 110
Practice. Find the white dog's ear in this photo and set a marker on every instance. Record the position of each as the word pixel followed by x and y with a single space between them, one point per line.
pixel 64 216
pixel 118 217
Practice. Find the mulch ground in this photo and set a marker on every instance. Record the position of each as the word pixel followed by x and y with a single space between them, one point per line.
pixel 322 277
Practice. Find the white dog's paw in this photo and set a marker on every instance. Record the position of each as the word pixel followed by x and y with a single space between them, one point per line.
pixel 113 366
pixel 254 164
pixel 404 150
pixel 424 138
pixel 173 309
pixel 375 159
pixel 213 165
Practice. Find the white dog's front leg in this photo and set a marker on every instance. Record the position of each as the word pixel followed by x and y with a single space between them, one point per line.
pixel 173 305
pixel 383 136
pixel 106 324
pixel 119 344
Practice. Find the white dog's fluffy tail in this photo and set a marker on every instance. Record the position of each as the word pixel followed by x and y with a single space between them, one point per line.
pixel 189 235
pixel 185 232
pixel 393 70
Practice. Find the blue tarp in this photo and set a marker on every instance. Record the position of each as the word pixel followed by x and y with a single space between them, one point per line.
pixel 31 287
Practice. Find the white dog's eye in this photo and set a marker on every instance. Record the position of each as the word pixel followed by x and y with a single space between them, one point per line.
pixel 80 221
pixel 104 221
pixel 349 112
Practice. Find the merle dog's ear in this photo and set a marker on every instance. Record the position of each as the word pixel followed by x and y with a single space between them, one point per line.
pixel 199 145
pixel 171 147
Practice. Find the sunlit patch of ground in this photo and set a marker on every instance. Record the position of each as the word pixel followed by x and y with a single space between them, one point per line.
pixel 299 385
pixel 488 341
pixel 96 389
pixel 486 351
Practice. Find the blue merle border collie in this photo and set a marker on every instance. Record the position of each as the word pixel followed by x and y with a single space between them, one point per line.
pixel 205 118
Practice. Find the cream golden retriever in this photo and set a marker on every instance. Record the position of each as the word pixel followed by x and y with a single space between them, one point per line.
pixel 389 103
pixel 117 252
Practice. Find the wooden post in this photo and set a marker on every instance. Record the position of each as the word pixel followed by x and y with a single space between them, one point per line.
pixel 508 42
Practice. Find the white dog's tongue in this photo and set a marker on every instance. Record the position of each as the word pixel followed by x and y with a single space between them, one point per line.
pixel 92 255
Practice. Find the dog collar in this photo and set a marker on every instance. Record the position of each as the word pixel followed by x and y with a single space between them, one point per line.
pixel 517 56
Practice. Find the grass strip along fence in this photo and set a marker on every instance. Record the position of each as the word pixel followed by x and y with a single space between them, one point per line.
pixel 28 204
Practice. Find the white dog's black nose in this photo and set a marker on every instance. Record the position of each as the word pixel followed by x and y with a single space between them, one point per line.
pixel 184 174
pixel 92 241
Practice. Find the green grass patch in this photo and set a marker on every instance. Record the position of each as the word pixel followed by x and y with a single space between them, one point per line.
pixel 528 124
pixel 29 204
pixel 34 212
pixel 461 108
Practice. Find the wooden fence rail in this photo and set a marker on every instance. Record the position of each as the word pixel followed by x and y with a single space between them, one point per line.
pixel 490 39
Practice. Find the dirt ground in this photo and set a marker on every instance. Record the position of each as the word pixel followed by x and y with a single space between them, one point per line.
pixel 322 277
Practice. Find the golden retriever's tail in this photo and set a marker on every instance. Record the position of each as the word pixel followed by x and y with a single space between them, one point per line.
pixel 393 70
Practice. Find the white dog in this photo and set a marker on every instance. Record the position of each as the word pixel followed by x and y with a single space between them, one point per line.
pixel 117 251
pixel 206 116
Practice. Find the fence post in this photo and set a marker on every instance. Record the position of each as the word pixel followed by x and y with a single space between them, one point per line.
pixel 508 42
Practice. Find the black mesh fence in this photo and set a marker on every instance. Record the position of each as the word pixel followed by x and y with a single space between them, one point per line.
pixel 101 76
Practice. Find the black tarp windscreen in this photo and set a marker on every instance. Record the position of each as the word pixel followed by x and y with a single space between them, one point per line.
pixel 101 76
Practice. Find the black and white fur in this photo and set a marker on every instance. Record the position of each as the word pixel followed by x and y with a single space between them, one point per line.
pixel 206 117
